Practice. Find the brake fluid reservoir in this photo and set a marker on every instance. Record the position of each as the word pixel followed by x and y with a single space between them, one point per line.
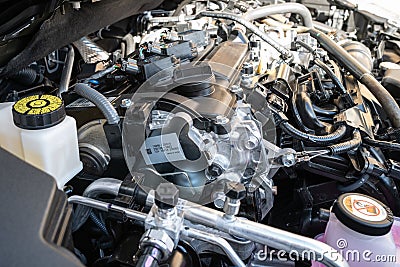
pixel 37 130
pixel 359 228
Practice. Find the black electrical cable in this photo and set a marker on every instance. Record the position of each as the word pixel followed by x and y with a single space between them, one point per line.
pixel 382 144
pixel 308 47
pixel 346 146
pixel 331 75
pixel 317 139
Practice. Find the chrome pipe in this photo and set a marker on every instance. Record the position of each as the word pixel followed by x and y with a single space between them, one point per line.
pixel 104 206
pixel 264 234
pixel 109 186
pixel 67 71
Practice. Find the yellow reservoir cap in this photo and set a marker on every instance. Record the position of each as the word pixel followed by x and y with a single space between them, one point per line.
pixel 38 112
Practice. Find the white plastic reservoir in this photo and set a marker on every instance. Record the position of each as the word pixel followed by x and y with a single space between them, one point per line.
pixel 50 144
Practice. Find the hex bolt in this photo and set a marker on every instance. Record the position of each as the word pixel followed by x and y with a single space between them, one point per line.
pixel 214 170
pixel 221 120
pixel 235 190
pixel 288 160
pixel 166 196
pixel 126 103
pixel 235 193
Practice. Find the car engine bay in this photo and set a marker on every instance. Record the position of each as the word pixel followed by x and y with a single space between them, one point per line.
pixel 199 133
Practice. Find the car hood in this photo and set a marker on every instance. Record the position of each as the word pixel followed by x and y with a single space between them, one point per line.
pixel 31 29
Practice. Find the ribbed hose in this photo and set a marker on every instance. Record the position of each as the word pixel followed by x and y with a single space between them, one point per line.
pixel 99 100
pixel 27 76
pixel 348 145
pixel 98 223
pixel 286 54
pixel 295 8
pixel 361 73
pixel 109 186
pixel 317 139
pixel 382 144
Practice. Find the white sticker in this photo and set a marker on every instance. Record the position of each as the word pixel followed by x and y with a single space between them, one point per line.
pixel 365 208
pixel 162 148
pixel 84 103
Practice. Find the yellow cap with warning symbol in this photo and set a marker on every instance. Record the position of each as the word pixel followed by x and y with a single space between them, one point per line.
pixel 38 112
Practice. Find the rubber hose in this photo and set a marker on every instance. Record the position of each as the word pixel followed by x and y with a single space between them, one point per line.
pixel 331 75
pixel 361 73
pixel 295 8
pixel 317 139
pixel 353 186
pixel 27 76
pixel 382 144
pixel 98 223
pixel 348 145
pixel 101 186
pixel 99 100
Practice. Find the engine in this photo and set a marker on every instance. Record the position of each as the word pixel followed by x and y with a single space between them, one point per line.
pixel 218 133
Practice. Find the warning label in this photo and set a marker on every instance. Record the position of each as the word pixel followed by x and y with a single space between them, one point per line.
pixel 162 148
pixel 365 208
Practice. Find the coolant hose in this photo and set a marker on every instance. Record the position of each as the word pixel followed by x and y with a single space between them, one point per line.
pixel 295 8
pixel 361 73
pixel 27 77
pixel 317 139
pixel 109 186
pixel 99 100
pixel 346 146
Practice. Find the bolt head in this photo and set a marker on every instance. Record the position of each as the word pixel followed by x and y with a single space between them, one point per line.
pixel 166 196
pixel 215 170
pixel 288 160
pixel 126 103
pixel 235 190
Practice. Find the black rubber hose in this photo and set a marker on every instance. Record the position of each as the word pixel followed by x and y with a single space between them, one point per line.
pixel 326 112
pixel 99 100
pixel 331 75
pixel 382 144
pixel 148 257
pixel 355 185
pixel 347 145
pixel 27 77
pixel 317 139
pixel 362 74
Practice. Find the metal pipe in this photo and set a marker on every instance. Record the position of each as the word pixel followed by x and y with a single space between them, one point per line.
pixel 104 206
pixel 67 71
pixel 306 247
pixel 130 44
pixel 107 186
pixel 295 8
pixel 286 54
pixel 219 241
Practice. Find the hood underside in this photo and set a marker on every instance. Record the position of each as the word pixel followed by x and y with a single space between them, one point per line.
pixel 38 28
